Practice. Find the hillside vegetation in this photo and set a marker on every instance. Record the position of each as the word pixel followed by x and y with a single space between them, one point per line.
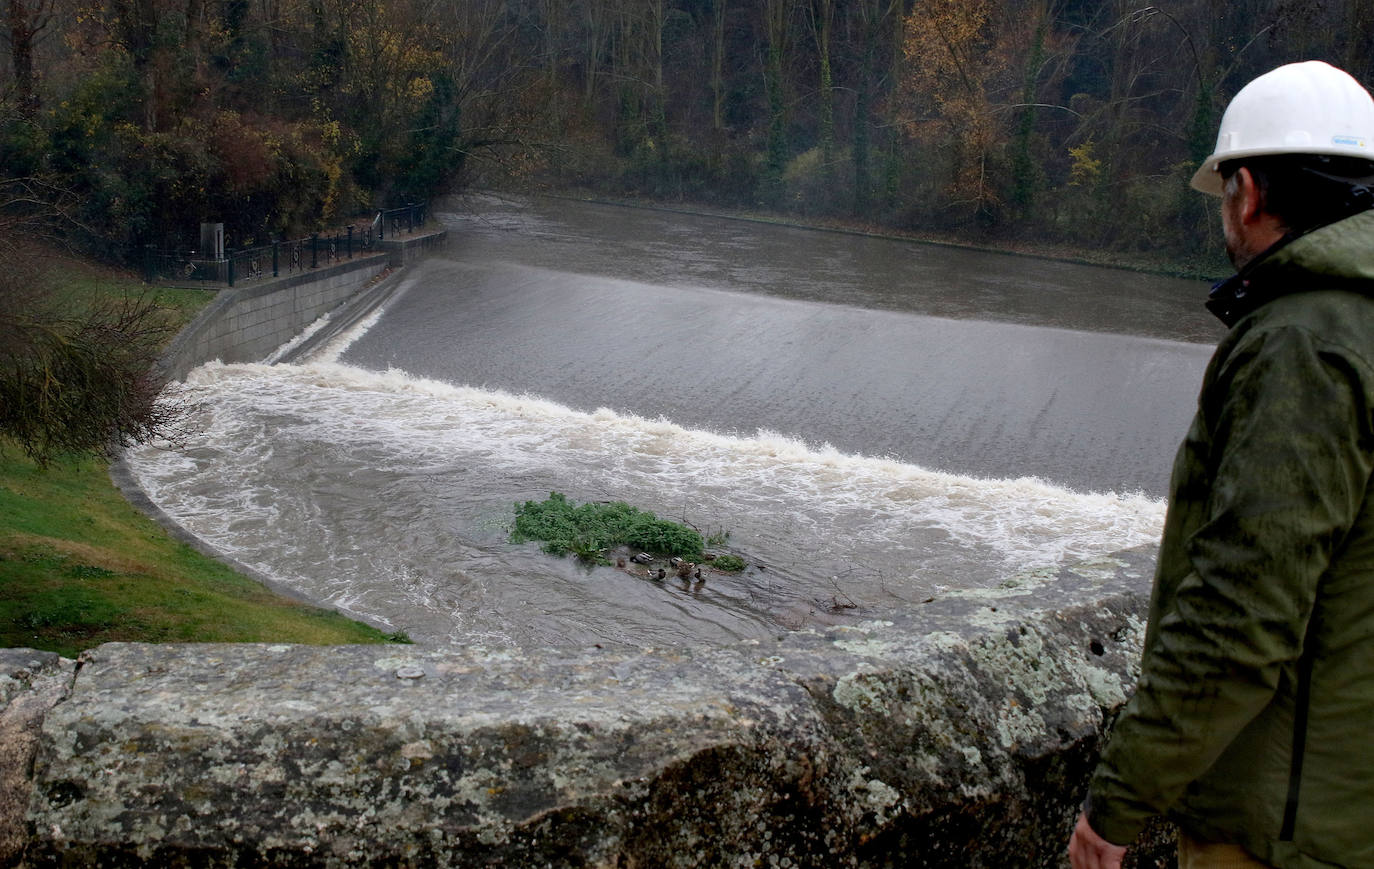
pixel 1056 122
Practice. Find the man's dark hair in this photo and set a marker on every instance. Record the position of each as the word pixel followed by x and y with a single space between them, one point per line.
pixel 1306 191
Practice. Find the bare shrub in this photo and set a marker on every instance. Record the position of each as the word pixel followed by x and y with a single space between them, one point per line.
pixel 77 377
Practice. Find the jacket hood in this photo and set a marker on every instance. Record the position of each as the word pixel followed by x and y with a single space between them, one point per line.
pixel 1339 255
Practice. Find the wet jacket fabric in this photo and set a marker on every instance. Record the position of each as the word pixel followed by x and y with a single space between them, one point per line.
pixel 1253 719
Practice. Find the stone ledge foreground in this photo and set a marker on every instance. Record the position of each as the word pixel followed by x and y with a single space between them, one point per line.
pixel 958 735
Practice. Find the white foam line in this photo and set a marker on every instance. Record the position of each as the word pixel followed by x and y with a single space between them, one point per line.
pixel 335 348
pixel 306 334
pixel 435 419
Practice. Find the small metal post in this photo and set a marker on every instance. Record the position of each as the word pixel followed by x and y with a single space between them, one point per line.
pixel 350 241
pixel 314 250
pixel 276 258
pixel 230 254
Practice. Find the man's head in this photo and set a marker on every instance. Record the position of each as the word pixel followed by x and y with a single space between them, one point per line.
pixel 1295 151
pixel 1266 198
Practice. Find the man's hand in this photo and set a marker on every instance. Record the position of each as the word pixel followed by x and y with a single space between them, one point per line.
pixel 1087 850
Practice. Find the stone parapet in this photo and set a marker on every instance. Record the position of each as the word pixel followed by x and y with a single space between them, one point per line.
pixel 959 734
pixel 31 683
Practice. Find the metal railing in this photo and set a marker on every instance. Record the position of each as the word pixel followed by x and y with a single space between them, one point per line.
pixel 239 266
pixel 399 221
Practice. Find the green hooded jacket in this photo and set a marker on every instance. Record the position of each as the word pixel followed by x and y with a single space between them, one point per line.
pixel 1253 719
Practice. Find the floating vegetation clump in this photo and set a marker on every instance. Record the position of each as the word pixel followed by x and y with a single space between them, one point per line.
pixel 728 563
pixel 590 530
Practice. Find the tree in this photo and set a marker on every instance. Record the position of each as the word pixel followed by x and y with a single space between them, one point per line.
pixel 28 21
pixel 75 379
pixel 822 21
pixel 596 28
pixel 487 104
pixel 953 61
pixel 1025 176
pixel 79 382
pixel 718 64
pixel 775 26
pixel 872 16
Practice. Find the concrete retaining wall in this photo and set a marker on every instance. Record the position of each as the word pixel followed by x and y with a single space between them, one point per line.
pixel 404 251
pixel 247 322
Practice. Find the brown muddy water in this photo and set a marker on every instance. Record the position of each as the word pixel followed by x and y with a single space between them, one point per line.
pixel 873 422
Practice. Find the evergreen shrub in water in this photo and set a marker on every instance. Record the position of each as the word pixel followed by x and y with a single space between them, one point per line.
pixel 588 530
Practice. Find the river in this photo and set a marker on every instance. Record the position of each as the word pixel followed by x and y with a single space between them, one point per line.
pixel 872 422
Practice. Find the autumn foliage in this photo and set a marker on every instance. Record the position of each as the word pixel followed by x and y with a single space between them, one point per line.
pixel 1063 121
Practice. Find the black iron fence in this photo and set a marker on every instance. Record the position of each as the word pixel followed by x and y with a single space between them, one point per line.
pixel 279 258
pixel 402 220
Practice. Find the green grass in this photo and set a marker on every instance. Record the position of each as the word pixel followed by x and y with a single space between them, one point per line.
pixel 80 283
pixel 80 566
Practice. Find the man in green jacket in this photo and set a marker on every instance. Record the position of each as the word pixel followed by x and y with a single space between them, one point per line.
pixel 1252 726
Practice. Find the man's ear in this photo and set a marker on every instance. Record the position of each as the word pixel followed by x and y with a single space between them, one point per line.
pixel 1249 197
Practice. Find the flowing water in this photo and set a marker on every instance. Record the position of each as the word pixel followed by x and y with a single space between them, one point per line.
pixel 872 422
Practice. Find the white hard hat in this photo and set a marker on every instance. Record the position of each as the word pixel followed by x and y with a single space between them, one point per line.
pixel 1300 108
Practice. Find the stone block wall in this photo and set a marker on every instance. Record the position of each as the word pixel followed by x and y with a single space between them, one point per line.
pixel 247 322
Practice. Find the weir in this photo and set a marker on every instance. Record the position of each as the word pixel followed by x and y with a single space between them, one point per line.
pixel 955 732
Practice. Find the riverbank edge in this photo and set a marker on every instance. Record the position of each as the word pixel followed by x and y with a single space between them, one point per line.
pixel 1064 254
pixel 348 312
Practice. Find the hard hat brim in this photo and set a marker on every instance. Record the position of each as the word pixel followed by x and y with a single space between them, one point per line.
pixel 1207 178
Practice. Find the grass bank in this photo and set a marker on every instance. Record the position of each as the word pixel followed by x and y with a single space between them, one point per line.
pixel 80 566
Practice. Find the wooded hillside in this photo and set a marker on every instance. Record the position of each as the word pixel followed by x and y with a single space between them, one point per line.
pixel 1066 121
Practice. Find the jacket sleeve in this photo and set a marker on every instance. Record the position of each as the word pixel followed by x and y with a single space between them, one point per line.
pixel 1288 465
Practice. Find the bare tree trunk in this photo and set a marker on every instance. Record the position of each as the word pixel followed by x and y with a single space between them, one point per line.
pixel 26 24
pixel 653 38
pixel 775 19
pixel 718 65
pixel 1024 183
pixel 822 16
pixel 872 15
pixel 595 13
